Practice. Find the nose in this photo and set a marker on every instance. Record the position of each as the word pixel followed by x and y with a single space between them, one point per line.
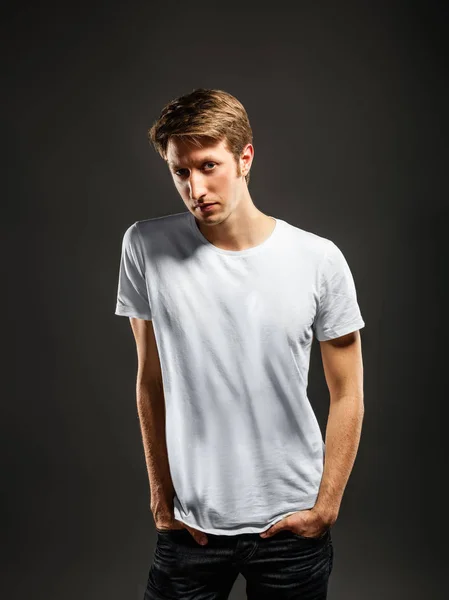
pixel 196 186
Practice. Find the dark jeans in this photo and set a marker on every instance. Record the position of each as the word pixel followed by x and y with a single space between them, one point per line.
pixel 283 566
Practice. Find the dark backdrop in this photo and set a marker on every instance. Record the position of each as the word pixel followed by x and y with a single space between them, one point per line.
pixel 346 101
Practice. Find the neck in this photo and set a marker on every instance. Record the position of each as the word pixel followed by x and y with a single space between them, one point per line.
pixel 243 228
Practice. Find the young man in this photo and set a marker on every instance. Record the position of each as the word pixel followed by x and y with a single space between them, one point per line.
pixel 224 302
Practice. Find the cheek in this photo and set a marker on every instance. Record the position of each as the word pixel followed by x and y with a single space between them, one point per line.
pixel 182 189
pixel 224 182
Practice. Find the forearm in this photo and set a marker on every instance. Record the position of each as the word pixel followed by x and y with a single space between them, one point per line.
pixel 343 432
pixel 151 410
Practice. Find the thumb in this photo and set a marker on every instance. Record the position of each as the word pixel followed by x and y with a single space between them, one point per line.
pixel 199 536
pixel 279 526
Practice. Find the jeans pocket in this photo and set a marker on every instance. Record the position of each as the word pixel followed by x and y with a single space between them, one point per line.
pixel 320 538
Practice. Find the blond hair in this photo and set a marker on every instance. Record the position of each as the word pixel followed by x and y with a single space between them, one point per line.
pixel 213 115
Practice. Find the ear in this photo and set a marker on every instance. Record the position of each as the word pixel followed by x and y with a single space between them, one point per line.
pixel 246 158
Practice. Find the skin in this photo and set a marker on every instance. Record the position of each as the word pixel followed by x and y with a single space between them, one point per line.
pixel 211 174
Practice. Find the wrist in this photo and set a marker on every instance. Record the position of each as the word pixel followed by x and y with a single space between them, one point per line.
pixel 326 514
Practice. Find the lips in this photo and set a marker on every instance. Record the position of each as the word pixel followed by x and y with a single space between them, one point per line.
pixel 207 207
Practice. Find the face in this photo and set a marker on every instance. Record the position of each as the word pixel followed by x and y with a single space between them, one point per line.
pixel 208 175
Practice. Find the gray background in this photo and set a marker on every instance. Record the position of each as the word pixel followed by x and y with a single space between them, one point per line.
pixel 346 101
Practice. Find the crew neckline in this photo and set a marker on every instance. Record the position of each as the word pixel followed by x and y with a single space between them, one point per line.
pixel 267 242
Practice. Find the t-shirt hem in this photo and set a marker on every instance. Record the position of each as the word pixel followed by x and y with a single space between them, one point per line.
pixel 123 312
pixel 310 503
pixel 336 332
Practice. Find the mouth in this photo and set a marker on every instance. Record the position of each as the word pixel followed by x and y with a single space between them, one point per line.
pixel 206 207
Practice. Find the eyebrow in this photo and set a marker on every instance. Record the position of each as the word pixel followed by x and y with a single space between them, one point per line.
pixel 202 161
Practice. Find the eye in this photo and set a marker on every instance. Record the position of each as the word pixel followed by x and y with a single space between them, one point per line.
pixel 181 172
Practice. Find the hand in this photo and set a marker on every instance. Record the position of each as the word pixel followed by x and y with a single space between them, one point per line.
pixel 171 523
pixel 307 523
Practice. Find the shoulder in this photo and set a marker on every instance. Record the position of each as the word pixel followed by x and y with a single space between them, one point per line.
pixel 155 232
pixel 311 245
pixel 163 223
pixel 162 228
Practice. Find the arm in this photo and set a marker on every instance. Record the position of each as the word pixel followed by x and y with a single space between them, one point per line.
pixel 151 410
pixel 343 369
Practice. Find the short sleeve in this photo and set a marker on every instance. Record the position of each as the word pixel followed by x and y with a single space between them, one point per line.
pixel 132 294
pixel 338 312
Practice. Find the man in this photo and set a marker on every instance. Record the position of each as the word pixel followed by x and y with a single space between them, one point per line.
pixel 224 302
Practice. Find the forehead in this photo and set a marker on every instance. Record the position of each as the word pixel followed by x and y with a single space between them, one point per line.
pixel 182 152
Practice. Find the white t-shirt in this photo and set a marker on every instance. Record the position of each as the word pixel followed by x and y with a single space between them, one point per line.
pixel 234 331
